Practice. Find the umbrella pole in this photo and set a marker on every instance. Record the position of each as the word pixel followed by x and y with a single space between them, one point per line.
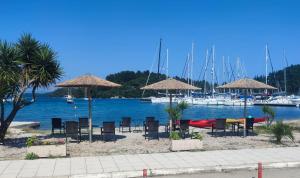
pixel 171 123
pixel 90 115
pixel 245 112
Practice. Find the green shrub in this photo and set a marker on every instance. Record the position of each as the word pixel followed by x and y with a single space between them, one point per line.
pixel 176 113
pixel 280 130
pixel 270 113
pixel 31 141
pixel 31 156
pixel 175 135
pixel 197 135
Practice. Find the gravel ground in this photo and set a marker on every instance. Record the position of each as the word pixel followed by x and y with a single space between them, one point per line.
pixel 132 143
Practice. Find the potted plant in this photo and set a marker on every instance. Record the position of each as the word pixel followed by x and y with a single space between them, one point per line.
pixel 177 143
pixel 46 148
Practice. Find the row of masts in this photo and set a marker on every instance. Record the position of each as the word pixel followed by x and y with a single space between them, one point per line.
pixel 238 73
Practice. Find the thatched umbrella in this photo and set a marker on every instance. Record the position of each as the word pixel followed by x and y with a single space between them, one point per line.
pixel 170 85
pixel 245 84
pixel 88 81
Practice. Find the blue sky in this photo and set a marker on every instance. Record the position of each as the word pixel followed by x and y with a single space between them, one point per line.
pixel 102 37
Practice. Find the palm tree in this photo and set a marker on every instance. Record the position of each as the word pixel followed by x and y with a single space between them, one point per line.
pixel 27 65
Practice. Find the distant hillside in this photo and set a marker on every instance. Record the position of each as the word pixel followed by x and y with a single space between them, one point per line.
pixel 292 75
pixel 131 83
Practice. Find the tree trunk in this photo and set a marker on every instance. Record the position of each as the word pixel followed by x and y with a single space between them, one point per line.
pixel 2 112
pixel 5 124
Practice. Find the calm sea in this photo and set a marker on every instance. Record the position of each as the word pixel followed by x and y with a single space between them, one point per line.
pixel 113 109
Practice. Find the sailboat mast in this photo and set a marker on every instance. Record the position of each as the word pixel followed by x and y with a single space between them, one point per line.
pixel 266 64
pixel 284 58
pixel 188 72
pixel 223 68
pixel 213 71
pixel 206 63
pixel 167 67
pixel 159 56
pixel 192 63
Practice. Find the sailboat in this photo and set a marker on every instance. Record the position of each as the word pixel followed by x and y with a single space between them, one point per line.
pixel 85 95
pixel 69 97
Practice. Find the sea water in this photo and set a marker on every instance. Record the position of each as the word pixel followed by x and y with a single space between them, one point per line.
pixel 46 108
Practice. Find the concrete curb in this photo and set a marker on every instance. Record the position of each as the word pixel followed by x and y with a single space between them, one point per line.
pixel 176 171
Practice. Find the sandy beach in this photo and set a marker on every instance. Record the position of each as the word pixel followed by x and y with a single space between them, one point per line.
pixel 132 143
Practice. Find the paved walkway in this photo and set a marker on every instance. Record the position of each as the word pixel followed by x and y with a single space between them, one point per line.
pixel 156 164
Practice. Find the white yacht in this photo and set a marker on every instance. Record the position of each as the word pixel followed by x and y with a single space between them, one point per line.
pixel 238 102
pixel 69 99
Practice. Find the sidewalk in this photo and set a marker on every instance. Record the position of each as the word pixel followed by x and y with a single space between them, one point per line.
pixel 156 164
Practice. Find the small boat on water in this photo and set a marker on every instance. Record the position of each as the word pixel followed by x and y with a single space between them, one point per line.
pixel 70 99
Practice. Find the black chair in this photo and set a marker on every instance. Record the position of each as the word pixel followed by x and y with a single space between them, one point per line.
pixel 56 124
pixel 184 127
pixel 220 124
pixel 108 128
pixel 83 126
pixel 147 120
pixel 126 122
pixel 72 130
pixel 152 128
pixel 249 125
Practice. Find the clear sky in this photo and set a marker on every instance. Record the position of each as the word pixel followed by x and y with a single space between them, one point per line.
pixel 102 37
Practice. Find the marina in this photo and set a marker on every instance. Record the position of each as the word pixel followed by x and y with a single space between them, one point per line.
pixel 113 109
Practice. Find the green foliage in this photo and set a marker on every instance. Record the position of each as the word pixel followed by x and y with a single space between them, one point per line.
pixel 267 110
pixel 292 75
pixel 25 66
pixel 280 130
pixel 9 70
pixel 176 113
pixel 175 135
pixel 31 141
pixel 196 135
pixel 182 106
pixel 131 83
pixel 31 156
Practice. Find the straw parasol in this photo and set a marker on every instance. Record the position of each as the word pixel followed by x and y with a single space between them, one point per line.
pixel 170 84
pixel 245 84
pixel 88 81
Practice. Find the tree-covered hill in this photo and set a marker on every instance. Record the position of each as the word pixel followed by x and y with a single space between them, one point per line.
pixel 277 79
pixel 131 83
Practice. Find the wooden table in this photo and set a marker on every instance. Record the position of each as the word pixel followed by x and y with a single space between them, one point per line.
pixel 233 123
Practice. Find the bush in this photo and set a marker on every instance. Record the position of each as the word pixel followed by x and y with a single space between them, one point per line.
pixel 270 113
pixel 197 135
pixel 31 156
pixel 280 130
pixel 31 141
pixel 175 135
